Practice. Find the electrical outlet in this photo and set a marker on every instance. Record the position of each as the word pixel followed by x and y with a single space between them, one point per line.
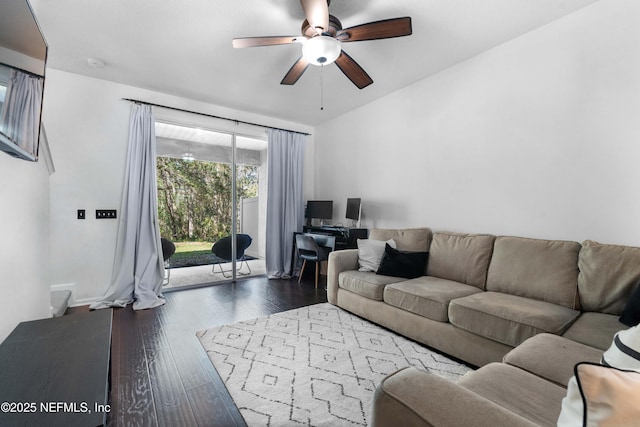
pixel 105 213
pixel 81 214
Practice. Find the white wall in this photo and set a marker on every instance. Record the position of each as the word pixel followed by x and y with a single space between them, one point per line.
pixel 87 125
pixel 537 137
pixel 24 252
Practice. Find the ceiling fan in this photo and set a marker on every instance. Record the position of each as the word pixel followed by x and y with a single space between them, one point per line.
pixel 322 38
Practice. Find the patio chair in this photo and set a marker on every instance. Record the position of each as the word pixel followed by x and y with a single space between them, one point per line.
pixel 222 250
pixel 168 249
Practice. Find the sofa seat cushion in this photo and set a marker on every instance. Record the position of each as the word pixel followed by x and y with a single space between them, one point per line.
pixel 427 296
pixel 595 329
pixel 509 319
pixel 366 283
pixel 551 357
pixel 527 395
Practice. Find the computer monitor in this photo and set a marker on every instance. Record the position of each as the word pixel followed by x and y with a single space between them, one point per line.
pixel 320 209
pixel 354 208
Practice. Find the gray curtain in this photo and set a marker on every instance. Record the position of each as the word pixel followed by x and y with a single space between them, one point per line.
pixel 138 268
pixel 285 203
pixel 20 116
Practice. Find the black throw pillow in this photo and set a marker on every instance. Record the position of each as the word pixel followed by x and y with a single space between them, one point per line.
pixel 408 265
pixel 631 314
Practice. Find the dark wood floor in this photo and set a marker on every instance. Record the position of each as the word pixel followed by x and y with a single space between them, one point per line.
pixel 161 375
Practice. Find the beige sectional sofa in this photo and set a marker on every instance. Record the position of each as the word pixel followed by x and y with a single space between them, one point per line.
pixel 556 302
pixel 525 390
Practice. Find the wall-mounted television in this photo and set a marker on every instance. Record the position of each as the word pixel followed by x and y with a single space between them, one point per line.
pixel 354 210
pixel 318 209
pixel 23 58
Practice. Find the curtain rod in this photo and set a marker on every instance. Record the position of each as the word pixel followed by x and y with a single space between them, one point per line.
pixel 211 115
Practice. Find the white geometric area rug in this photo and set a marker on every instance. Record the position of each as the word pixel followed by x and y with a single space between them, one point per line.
pixel 313 366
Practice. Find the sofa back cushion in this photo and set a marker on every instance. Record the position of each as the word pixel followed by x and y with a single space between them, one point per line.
pixel 459 257
pixel 608 275
pixel 407 239
pixel 546 270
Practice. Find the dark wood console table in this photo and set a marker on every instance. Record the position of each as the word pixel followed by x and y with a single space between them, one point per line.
pixel 55 372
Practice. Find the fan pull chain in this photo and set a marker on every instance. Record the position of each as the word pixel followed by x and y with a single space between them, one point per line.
pixel 322 88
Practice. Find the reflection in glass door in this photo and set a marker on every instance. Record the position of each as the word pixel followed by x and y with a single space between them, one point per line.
pixel 211 187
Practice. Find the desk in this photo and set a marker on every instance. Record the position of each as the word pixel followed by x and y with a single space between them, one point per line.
pixel 61 359
pixel 334 238
pixel 321 240
pixel 346 238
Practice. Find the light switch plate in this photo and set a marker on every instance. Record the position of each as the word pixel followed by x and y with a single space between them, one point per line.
pixel 105 213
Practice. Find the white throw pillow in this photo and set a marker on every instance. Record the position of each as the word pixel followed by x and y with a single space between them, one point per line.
pixel 599 396
pixel 370 253
pixel 605 392
pixel 624 352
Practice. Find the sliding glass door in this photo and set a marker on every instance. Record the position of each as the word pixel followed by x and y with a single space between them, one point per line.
pixel 211 193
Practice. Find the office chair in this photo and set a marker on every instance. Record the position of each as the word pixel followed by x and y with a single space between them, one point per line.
pixel 222 250
pixel 309 250
pixel 168 249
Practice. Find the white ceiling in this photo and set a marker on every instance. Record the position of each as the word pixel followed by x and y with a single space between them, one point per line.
pixel 184 48
pixel 202 144
pixel 206 136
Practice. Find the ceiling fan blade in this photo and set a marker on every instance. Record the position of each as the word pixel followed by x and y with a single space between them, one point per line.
pixel 295 72
pixel 353 71
pixel 388 28
pixel 265 41
pixel 317 13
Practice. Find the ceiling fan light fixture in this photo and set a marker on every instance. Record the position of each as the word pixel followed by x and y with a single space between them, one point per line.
pixel 321 50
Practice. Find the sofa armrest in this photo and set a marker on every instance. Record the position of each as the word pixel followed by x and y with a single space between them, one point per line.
pixel 416 398
pixel 338 262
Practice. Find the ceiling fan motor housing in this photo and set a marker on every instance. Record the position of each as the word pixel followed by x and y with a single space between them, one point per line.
pixel 334 26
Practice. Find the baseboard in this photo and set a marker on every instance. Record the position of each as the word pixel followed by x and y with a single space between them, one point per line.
pixel 84 301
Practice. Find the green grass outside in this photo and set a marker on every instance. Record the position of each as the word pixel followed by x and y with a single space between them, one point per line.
pixel 189 252
pixel 192 253
pixel 182 247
